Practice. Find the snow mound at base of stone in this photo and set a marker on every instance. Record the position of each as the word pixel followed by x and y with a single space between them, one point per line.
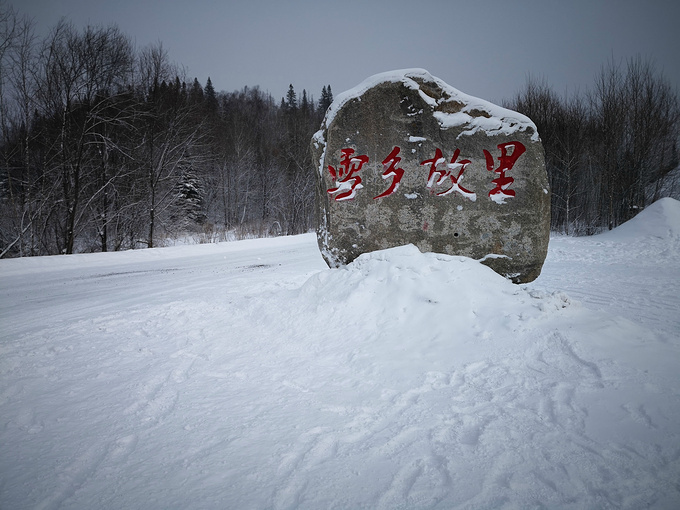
pixel 401 296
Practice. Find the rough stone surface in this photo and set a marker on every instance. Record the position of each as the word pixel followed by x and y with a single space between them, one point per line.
pixel 404 158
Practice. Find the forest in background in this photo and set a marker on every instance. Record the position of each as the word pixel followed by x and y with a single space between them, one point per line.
pixel 609 151
pixel 105 147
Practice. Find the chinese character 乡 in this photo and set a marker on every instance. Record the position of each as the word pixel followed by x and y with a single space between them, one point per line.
pixel 391 163
pixel 345 177
pixel 439 176
pixel 506 162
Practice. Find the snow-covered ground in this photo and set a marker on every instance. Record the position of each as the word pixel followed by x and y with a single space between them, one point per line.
pixel 247 375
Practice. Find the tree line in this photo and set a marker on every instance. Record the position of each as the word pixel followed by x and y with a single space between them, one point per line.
pixel 105 147
pixel 609 151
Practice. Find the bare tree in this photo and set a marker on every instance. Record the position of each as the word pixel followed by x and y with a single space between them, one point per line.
pixel 610 151
pixel 105 148
pixel 83 82
pixel 170 140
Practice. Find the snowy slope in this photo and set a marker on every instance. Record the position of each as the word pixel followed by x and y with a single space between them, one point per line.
pixel 248 375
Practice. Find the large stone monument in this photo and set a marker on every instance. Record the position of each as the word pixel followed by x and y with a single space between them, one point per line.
pixel 405 158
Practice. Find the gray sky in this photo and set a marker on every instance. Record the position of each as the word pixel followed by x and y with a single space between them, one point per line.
pixel 485 48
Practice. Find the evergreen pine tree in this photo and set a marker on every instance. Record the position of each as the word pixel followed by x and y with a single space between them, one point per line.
pixel 196 92
pixel 190 194
pixel 326 99
pixel 305 105
pixel 210 97
pixel 291 98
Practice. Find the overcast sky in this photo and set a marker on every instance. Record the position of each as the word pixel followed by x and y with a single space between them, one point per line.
pixel 484 48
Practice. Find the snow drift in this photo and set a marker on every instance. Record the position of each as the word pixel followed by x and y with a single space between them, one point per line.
pixel 661 220
pixel 246 375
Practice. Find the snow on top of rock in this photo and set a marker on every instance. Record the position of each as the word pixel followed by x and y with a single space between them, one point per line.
pixel 475 113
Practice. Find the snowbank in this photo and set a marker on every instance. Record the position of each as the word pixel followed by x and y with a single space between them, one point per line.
pixel 407 301
pixel 661 220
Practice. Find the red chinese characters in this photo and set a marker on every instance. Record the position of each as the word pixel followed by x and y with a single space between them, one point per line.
pixel 507 161
pixel 346 178
pixel 391 163
pixel 438 177
pixel 348 181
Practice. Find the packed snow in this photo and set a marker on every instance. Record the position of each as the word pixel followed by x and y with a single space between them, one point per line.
pixel 249 375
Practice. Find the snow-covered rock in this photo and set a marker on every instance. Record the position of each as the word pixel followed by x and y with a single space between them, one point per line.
pixel 404 158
